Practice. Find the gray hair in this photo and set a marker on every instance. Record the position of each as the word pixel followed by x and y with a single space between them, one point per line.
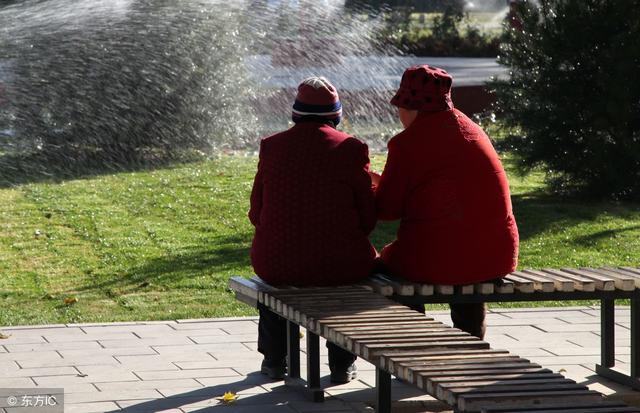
pixel 317 82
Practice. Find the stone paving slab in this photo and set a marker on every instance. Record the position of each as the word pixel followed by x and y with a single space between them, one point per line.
pixel 185 365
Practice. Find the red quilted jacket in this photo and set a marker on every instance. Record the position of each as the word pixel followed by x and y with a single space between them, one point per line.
pixel 445 182
pixel 312 207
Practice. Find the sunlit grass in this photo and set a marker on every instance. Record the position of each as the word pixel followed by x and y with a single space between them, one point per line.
pixel 162 244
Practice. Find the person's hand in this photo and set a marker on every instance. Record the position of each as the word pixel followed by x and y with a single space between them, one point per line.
pixel 375 178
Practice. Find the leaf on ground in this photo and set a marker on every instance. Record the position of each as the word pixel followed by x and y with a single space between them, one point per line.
pixel 301 335
pixel 4 336
pixel 228 397
pixel 70 300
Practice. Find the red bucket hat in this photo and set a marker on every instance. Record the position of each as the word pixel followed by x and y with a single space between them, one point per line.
pixel 424 88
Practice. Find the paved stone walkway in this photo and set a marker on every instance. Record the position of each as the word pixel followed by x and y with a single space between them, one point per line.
pixel 185 365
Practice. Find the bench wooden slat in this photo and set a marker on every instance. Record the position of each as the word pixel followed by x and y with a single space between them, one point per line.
pixel 418 342
pixel 304 317
pixel 384 327
pixel 465 289
pixel 451 395
pixel 565 409
pixel 390 360
pixel 248 290
pixel 472 384
pixel 359 345
pixel 449 391
pixel 475 402
pixel 371 352
pixel 355 320
pixel 429 381
pixel 479 359
pixel 419 338
pixel 444 289
pixel 310 296
pixel 424 290
pixel 400 287
pixel 602 283
pixel 507 367
pixel 516 367
pixel 579 283
pixel 263 288
pixel 401 335
pixel 600 407
pixel 486 373
pixel 622 281
pixel 631 269
pixel 402 368
pixel 392 308
pixel 378 286
pixel 496 378
pixel 417 329
pixel 350 307
pixel 561 283
pixel 539 283
pixel 318 315
pixel 623 272
pixel 520 284
pixel 326 328
pixel 507 287
pixel 484 288
pixel 431 384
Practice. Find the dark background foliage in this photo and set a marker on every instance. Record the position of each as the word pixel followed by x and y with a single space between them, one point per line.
pixel 451 35
pixel 417 6
pixel 574 94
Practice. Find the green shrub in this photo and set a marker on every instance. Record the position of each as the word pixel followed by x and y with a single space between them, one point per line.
pixel 419 6
pixel 449 33
pixel 574 93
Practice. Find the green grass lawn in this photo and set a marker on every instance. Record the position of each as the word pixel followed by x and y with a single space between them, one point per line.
pixel 161 244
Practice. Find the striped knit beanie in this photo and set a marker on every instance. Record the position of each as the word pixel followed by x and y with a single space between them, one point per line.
pixel 317 98
pixel 424 88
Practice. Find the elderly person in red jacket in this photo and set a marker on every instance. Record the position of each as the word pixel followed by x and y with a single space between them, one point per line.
pixel 444 181
pixel 313 208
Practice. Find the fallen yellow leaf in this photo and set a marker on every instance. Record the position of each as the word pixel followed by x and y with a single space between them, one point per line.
pixel 70 300
pixel 228 397
pixel 301 334
pixel 4 336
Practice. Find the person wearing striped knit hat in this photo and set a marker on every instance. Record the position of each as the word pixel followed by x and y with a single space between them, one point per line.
pixel 313 208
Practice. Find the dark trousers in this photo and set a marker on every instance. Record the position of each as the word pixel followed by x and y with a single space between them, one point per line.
pixel 469 317
pixel 272 341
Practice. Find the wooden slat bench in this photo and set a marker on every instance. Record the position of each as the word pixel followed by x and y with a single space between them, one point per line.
pixel 447 363
pixel 605 284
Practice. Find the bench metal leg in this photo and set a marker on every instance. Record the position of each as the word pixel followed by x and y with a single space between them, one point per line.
pixel 313 367
pixel 293 350
pixel 635 340
pixel 607 340
pixel 383 391
pixel 607 333
pixel 311 388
